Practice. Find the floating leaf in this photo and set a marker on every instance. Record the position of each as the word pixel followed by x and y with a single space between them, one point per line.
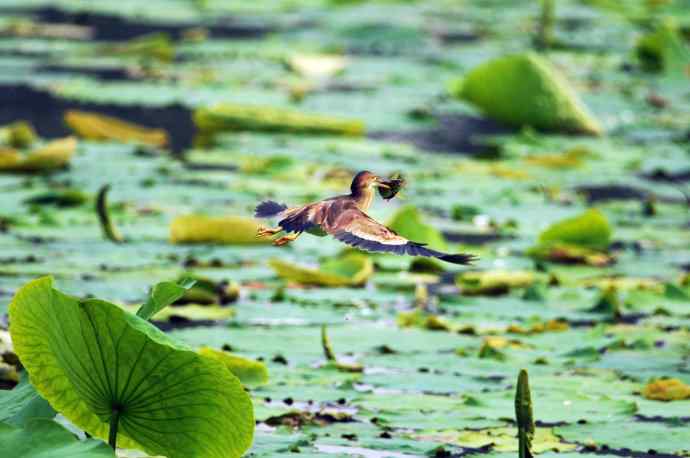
pixel 51 156
pixel 571 158
pixel 353 269
pixel 249 371
pixel 582 238
pixel 46 438
pixel 157 46
pixel 526 90
pixel 409 223
pixel 95 363
pixel 227 230
pixel 666 390
pixel 219 118
pixel 591 230
pixel 63 198
pixel 501 439
pixel 492 283
pixel 95 126
pixel 539 327
pixel 420 318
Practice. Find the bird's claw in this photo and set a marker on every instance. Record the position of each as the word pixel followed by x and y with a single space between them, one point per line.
pixel 284 240
pixel 264 231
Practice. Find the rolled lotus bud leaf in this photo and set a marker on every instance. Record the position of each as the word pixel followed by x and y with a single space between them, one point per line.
pixel 526 90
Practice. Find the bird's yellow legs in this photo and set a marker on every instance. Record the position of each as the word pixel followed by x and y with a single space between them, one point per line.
pixel 263 231
pixel 284 240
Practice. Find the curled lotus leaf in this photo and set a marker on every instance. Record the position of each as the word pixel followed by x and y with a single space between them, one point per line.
pixel 249 371
pixel 527 90
pixel 353 269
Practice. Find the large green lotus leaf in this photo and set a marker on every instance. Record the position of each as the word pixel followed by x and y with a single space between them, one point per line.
pixel 233 230
pixel 526 90
pixel 88 358
pixel 249 371
pixel 409 222
pixel 46 439
pixel 351 270
pixel 589 230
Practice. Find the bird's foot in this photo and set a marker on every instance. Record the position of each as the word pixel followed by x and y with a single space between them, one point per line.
pixel 284 240
pixel 264 231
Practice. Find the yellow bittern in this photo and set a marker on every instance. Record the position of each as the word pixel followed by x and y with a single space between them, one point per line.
pixel 344 218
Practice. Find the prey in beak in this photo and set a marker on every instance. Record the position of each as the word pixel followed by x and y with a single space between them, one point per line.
pixel 389 188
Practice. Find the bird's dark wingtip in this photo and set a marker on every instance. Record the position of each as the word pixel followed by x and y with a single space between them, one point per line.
pixel 269 208
pixel 462 259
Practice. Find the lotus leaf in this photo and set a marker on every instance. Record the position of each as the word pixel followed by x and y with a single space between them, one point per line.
pixel 46 439
pixel 250 372
pixel 220 118
pixel 527 90
pixel 95 126
pixel 493 282
pixel 408 222
pixel 350 270
pixel 50 156
pixel 666 390
pixel 227 230
pixel 98 366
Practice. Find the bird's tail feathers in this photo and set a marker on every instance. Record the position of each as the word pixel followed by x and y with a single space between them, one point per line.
pixel 269 208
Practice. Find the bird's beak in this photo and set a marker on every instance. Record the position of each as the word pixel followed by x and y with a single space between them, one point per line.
pixel 381 184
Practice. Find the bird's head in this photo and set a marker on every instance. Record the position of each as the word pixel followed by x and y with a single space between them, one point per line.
pixel 366 180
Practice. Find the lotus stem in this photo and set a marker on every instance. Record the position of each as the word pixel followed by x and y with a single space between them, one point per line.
pixel 107 226
pixel 326 344
pixel 114 421
pixel 523 415
pixel 545 32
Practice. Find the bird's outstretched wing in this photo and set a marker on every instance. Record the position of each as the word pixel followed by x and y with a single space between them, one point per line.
pixel 357 229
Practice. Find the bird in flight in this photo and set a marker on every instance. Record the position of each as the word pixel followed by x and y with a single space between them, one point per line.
pixel 344 217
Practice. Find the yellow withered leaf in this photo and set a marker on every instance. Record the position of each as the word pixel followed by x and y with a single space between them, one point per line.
pixel 670 389
pixel 95 126
pixel 350 270
pixel 226 230
pixel 51 156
